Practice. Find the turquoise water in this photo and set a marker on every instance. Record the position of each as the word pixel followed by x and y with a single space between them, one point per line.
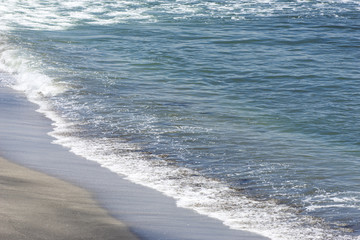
pixel 243 111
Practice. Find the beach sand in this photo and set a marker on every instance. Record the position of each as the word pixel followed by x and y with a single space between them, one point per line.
pixel 36 206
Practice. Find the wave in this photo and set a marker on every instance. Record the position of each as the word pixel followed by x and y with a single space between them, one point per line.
pixel 37 86
pixel 60 15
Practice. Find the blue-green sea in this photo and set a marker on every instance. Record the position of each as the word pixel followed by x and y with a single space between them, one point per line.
pixel 245 111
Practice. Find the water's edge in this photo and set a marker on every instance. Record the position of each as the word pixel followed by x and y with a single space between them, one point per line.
pixel 148 213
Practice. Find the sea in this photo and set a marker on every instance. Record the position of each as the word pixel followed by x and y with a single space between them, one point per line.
pixel 244 111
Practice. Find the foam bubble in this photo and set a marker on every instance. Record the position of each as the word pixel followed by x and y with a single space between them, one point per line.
pixel 31 81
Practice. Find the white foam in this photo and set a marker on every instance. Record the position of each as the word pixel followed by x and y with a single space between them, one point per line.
pixel 191 190
pixel 36 85
pixel 55 15
pixel 346 199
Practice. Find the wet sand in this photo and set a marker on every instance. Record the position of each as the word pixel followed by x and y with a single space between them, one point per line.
pixel 36 206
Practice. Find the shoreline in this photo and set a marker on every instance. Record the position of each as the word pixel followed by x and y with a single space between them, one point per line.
pixel 36 206
pixel 149 214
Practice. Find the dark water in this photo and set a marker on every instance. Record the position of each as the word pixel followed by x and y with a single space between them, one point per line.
pixel 243 111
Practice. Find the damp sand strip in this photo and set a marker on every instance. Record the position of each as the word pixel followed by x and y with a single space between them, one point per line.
pixel 34 205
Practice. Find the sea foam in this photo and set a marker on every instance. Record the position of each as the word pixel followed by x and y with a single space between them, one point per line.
pixel 55 15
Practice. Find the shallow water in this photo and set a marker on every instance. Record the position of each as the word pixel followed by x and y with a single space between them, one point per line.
pixel 243 111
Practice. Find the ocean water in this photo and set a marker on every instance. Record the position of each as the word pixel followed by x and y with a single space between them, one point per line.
pixel 245 111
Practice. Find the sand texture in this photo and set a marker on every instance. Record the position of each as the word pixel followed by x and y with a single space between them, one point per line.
pixel 36 206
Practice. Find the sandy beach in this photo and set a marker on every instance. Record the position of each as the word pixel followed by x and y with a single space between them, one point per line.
pixel 36 206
